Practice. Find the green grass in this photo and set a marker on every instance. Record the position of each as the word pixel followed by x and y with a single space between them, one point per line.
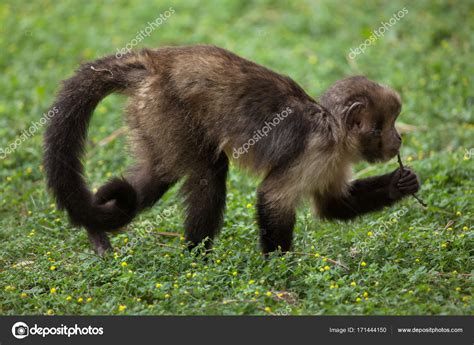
pixel 419 262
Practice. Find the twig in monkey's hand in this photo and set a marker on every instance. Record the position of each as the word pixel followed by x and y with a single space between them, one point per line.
pixel 402 167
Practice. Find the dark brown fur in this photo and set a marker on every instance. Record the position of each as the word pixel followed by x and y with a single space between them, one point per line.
pixel 189 108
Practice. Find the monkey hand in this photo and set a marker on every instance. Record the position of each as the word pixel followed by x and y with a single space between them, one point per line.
pixel 403 183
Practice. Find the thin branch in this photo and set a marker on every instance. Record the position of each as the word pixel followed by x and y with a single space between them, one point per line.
pixel 117 133
pixel 338 263
pixel 166 233
pixel 167 246
pixel 450 222
pixel 102 70
pixel 454 274
pixel 407 128
pixel 422 203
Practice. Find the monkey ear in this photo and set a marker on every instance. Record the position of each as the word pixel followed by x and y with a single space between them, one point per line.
pixel 353 115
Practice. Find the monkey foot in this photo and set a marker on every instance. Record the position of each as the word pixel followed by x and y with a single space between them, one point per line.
pixel 100 242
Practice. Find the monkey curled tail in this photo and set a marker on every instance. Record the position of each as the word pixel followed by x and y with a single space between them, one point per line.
pixel 115 204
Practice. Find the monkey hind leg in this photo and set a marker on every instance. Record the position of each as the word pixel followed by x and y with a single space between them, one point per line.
pixel 276 216
pixel 109 195
pixel 148 187
pixel 150 184
pixel 100 242
pixel 205 191
pixel 117 201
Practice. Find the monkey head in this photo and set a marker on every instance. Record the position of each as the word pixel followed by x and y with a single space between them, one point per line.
pixel 368 112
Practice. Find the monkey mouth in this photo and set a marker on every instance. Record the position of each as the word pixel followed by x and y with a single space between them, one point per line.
pixel 391 154
pixel 374 157
pixel 384 158
pixel 379 158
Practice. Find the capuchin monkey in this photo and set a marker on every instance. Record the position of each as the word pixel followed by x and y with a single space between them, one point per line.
pixel 192 109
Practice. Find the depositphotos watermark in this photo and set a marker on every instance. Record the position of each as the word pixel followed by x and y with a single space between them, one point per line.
pixel 145 32
pixel 263 132
pixel 376 34
pixel 468 154
pixel 28 133
pixel 21 330
pixel 141 235
pixel 380 227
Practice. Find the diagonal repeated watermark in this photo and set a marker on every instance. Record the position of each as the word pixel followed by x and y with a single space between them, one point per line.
pixel 145 32
pixel 378 33
pixel 261 133
pixel 28 133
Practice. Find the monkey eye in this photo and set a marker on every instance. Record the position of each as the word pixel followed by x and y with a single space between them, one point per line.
pixel 377 132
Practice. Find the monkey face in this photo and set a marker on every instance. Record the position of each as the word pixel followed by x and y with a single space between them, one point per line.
pixel 374 124
pixel 368 110
pixel 379 144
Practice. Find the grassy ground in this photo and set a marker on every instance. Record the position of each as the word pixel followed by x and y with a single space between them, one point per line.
pixel 404 260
